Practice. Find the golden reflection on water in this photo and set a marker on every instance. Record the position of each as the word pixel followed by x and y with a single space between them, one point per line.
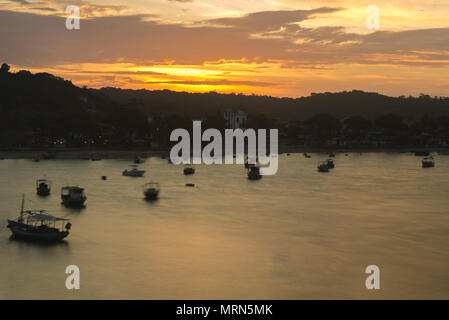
pixel 296 235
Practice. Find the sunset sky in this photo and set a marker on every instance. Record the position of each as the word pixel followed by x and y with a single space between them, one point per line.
pixel 273 47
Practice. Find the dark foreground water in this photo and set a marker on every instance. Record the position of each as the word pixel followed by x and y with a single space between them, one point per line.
pixel 298 234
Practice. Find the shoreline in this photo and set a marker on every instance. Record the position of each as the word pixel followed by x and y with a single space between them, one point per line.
pixel 87 154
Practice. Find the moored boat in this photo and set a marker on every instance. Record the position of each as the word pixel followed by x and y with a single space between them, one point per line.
pixel 189 170
pixel 254 173
pixel 151 190
pixel 133 173
pixel 43 187
pixel 428 162
pixel 38 225
pixel 323 166
pixel 73 196
pixel 330 163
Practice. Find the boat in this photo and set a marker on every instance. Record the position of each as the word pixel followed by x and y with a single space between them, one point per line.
pixel 254 173
pixel 330 163
pixel 189 170
pixel 38 225
pixel 443 153
pixel 307 155
pixel 43 187
pixel 133 172
pixel 323 166
pixel 331 155
pixel 151 190
pixel 138 160
pixel 428 162
pixel 73 196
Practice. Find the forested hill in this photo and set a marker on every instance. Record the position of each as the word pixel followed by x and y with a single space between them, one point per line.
pixel 340 104
pixel 32 99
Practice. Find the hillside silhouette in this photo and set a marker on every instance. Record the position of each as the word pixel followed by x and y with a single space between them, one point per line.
pixel 36 108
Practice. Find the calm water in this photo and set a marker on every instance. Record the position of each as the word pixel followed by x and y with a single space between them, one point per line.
pixel 297 235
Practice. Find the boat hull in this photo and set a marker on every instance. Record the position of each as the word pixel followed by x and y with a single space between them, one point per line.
pixel 21 231
pixel 68 201
pixel 151 195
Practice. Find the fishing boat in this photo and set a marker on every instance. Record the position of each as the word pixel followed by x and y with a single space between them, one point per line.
pixel 323 166
pixel 38 225
pixel 254 173
pixel 189 170
pixel 428 162
pixel 151 190
pixel 43 187
pixel 330 163
pixel 133 173
pixel 73 196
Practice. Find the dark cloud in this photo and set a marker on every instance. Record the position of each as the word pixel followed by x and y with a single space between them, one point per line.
pixel 42 41
pixel 269 20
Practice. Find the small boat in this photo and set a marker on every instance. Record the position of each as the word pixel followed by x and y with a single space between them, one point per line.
pixel 189 170
pixel 331 155
pixel 133 173
pixel 43 187
pixel 330 163
pixel 323 166
pixel 38 225
pixel 428 162
pixel 138 160
pixel 254 173
pixel 104 178
pixel 37 160
pixel 151 190
pixel 307 155
pixel 73 196
pixel 422 153
pixel 190 184
pixel 249 165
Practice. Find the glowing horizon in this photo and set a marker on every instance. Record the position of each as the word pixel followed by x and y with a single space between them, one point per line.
pixel 279 48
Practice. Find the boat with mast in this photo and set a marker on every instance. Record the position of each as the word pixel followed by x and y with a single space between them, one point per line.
pixel 38 225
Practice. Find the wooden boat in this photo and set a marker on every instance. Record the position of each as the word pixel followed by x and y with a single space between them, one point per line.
pixel 189 170
pixel 133 173
pixel 38 225
pixel 323 166
pixel 43 187
pixel 151 190
pixel 254 173
pixel 428 162
pixel 73 196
